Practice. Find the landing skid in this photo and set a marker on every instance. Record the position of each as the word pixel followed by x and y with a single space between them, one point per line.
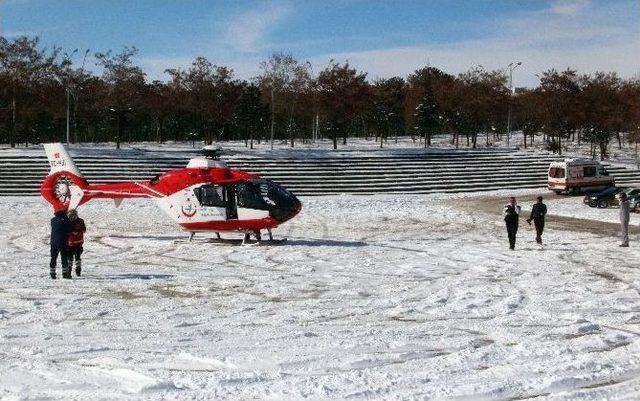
pixel 259 241
pixel 246 240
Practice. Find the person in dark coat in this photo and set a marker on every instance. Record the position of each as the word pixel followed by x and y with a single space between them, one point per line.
pixel 538 212
pixel 511 214
pixel 60 228
pixel 76 240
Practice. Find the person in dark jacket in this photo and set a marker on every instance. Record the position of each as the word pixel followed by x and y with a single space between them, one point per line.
pixel 76 239
pixel 511 214
pixel 60 228
pixel 538 212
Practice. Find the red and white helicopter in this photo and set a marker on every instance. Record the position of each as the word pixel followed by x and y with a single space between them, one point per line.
pixel 204 196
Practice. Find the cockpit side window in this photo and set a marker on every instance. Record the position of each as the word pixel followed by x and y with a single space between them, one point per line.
pixel 249 196
pixel 602 171
pixel 589 171
pixel 210 195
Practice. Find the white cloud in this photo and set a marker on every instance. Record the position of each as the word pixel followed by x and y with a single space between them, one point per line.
pixel 15 34
pixel 247 32
pixel 154 67
pixel 568 7
pixel 579 35
pixel 622 58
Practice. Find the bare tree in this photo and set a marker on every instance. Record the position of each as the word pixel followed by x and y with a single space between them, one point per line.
pixel 343 95
pixel 283 81
pixel 24 66
pixel 125 83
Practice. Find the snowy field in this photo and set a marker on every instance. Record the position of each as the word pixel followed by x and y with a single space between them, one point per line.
pixel 413 297
pixel 573 207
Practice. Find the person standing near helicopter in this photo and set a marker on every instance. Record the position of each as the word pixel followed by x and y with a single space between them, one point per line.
pixel 60 227
pixel 75 240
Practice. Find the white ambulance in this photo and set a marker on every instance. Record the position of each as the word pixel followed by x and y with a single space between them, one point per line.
pixel 578 175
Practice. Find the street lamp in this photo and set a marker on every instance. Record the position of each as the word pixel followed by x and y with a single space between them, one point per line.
pixel 67 92
pixel 511 66
pixel 272 116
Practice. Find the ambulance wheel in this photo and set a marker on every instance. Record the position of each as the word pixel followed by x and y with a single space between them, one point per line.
pixel 603 204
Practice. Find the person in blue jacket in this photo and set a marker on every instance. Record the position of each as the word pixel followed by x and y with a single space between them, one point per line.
pixel 60 228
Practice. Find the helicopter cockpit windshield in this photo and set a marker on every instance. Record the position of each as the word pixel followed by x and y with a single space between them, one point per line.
pixel 264 194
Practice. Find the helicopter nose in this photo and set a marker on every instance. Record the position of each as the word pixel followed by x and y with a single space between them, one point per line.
pixel 284 213
pixel 297 207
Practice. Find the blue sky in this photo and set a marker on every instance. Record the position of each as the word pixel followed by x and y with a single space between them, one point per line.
pixel 383 37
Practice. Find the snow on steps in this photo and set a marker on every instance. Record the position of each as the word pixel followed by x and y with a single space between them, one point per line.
pixel 378 172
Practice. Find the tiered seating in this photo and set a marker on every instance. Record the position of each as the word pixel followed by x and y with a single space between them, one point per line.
pixel 357 173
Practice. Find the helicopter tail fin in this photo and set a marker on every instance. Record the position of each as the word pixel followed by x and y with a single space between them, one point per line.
pixel 64 187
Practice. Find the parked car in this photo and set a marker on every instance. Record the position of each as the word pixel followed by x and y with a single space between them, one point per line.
pixel 634 198
pixel 605 198
pixel 635 203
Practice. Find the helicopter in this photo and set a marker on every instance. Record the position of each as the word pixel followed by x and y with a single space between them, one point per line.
pixel 205 196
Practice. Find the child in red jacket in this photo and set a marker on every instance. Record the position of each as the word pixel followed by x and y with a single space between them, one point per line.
pixel 76 239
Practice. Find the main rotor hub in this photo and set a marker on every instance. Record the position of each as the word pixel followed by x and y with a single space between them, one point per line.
pixel 212 152
pixel 210 158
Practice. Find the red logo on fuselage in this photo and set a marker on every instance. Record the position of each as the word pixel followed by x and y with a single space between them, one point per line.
pixel 189 210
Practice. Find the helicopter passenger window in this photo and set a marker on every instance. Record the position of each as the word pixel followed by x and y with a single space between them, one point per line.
pixel 210 195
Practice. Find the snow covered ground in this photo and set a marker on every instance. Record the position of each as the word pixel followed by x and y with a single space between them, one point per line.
pixel 574 207
pixel 384 297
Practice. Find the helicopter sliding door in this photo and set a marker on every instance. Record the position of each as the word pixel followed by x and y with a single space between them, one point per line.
pixel 212 201
pixel 230 202
pixel 217 200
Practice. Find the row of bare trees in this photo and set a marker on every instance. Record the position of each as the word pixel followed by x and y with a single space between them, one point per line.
pixel 42 91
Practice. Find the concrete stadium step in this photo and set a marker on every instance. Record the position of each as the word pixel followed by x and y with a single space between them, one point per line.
pixel 280 161
pixel 271 165
pixel 379 172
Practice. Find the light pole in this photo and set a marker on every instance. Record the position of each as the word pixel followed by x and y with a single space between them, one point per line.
pixel 272 116
pixel 67 90
pixel 512 66
pixel 68 130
